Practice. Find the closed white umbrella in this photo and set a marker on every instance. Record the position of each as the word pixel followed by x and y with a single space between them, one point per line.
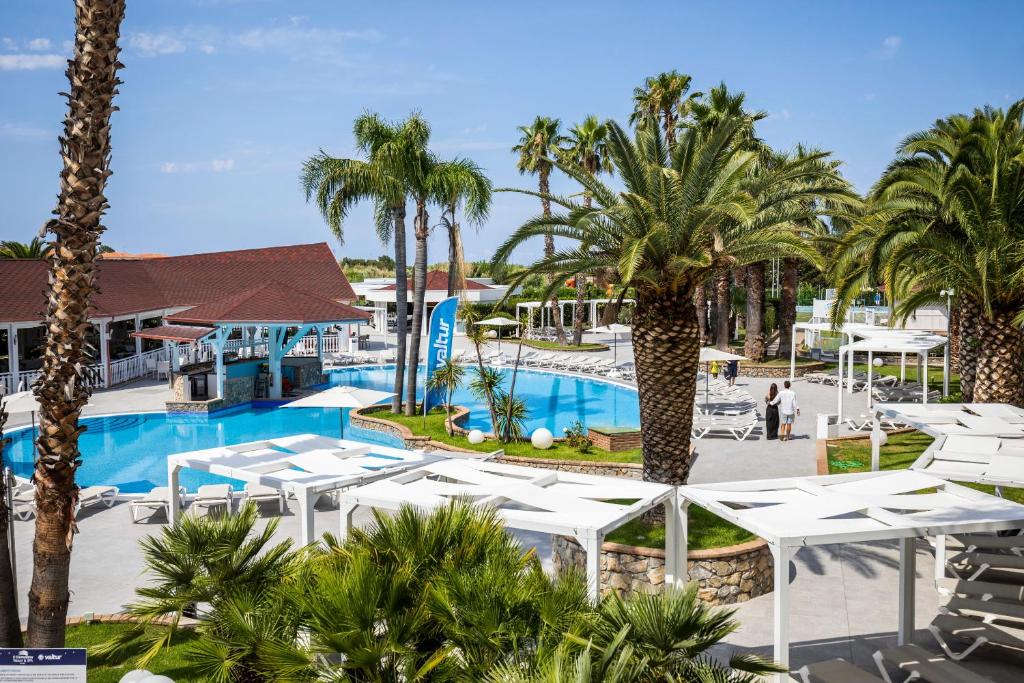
pixel 499 321
pixel 615 329
pixel 341 397
pixel 709 354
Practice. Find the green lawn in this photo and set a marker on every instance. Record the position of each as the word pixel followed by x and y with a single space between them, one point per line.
pixel 899 453
pixel 436 431
pixel 555 346
pixel 704 530
pixel 170 663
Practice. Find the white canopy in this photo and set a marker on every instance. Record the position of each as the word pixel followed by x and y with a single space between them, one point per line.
pixel 547 501
pixel 850 508
pixel 614 328
pixel 20 402
pixel 710 353
pixel 499 321
pixel 341 397
pixel 305 465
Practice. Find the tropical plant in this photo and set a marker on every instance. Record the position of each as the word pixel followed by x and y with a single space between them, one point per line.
pixel 447 378
pixel 660 100
pixel 485 382
pixel 460 182
pixel 948 213
pixel 393 152
pixel 486 385
pixel 576 437
pixel 61 388
pixel 512 415
pixel 36 249
pixel 680 217
pixel 585 146
pixel 537 149
pixel 10 624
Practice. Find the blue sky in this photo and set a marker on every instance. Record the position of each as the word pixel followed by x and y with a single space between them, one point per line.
pixel 223 99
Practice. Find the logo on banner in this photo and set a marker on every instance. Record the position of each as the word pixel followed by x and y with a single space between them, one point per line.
pixel 440 340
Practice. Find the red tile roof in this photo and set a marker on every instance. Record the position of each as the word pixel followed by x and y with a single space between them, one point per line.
pixel 437 280
pixel 273 302
pixel 181 333
pixel 128 286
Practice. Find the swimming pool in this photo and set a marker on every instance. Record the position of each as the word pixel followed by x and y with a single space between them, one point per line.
pixel 130 450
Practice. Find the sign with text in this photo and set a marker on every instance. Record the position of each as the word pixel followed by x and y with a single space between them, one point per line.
pixel 42 665
pixel 439 346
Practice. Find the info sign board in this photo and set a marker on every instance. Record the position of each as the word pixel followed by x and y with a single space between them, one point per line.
pixel 42 665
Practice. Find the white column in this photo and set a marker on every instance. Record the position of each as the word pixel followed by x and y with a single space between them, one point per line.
pixel 104 352
pixel 924 377
pixel 593 313
pixel 849 371
pixel 138 340
pixel 306 529
pixel 173 495
pixel 780 615
pixel 218 347
pixel 792 354
pixel 840 386
pixel 876 442
pixel 871 374
pixel 274 359
pixel 908 570
pixel 940 557
pixel 945 369
pixel 903 366
pixel 12 356
pixel 675 542
pixel 320 345
pixel 345 511
pixel 592 546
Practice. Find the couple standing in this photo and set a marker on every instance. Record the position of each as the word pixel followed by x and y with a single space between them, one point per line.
pixel 782 406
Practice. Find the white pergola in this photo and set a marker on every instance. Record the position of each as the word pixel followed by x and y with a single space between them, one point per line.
pixel 975 442
pixel 545 306
pixel 849 330
pixel 531 499
pixel 899 342
pixel 303 465
pixel 793 513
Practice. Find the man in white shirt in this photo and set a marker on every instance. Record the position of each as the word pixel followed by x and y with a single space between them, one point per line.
pixel 788 410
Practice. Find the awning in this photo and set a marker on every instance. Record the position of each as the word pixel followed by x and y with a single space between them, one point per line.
pixel 178 333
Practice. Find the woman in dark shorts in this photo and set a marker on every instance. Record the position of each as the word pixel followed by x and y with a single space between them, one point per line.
pixel 771 414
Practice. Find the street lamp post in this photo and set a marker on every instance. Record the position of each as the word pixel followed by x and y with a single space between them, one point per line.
pixel 948 293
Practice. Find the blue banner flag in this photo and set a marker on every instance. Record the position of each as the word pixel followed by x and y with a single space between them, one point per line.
pixel 439 346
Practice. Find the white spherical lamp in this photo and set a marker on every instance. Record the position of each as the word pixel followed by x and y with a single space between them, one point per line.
pixel 878 362
pixel 475 436
pixel 136 676
pixel 542 438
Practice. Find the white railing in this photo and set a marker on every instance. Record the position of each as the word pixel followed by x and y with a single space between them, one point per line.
pixel 133 367
pixel 307 345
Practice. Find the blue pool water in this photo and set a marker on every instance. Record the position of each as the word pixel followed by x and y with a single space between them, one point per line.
pixel 130 450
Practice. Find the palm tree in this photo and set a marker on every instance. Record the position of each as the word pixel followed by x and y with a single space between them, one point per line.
pixel 62 389
pixel 10 624
pixel 36 249
pixel 392 150
pixel 538 147
pixel 660 100
pixel 585 146
pixel 460 182
pixel 487 379
pixel 948 213
pixel 447 378
pixel 680 218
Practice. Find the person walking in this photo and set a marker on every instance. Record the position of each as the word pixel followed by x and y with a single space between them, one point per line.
pixel 788 410
pixel 732 371
pixel 771 414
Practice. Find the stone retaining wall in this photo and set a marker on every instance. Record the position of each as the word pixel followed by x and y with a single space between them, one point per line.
pixel 629 470
pixel 362 417
pixel 778 371
pixel 724 575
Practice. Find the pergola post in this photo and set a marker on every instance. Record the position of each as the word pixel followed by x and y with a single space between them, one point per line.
pixel 945 369
pixel 849 372
pixel 871 374
pixel 908 572
pixel 876 442
pixel 840 385
pixel 274 359
pixel 138 340
pixel 12 357
pixel 591 543
pixel 173 494
pixel 218 347
pixel 923 376
pixel 320 345
pixel 104 353
pixel 903 367
pixel 675 541
pixel 345 511
pixel 306 502
pixel 780 611
pixel 792 354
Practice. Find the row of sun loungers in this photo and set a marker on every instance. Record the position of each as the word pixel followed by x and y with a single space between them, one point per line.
pixel 24 498
pixel 908 392
pixel 207 497
pixel 340 360
pixel 723 409
pixel 859 379
pixel 570 362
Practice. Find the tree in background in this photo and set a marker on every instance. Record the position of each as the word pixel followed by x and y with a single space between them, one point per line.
pixel 660 101
pixel 62 388
pixel 585 146
pixel 36 249
pixel 461 182
pixel 447 378
pixel 538 147
pixel 383 179
pixel 682 215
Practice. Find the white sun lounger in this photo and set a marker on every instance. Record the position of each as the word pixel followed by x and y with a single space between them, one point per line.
pixel 739 426
pixel 919 664
pixel 835 671
pixel 24 498
pixel 96 495
pixel 258 493
pixel 213 495
pixel 157 499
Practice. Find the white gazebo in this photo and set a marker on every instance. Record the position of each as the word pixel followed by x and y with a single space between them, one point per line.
pixel 796 512
pixel 304 465
pixel 891 342
pixel 850 331
pixel 530 499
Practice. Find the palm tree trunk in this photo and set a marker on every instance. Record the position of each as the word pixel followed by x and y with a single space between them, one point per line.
pixel 753 346
pixel 10 622
pixel 489 396
pixel 419 286
pixel 511 395
pixel 577 313
pixel 722 309
pixel 787 306
pixel 454 255
pixel 954 336
pixel 401 307
pixel 969 346
pixel 549 249
pixel 1000 375
pixel 62 389
pixel 700 303
pixel 666 348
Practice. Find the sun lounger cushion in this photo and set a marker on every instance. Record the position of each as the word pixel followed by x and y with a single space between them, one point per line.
pixel 928 666
pixel 836 671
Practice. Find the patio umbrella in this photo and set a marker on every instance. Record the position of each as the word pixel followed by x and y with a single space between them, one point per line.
pixel 708 354
pixel 341 397
pixel 499 321
pixel 615 329
pixel 22 402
